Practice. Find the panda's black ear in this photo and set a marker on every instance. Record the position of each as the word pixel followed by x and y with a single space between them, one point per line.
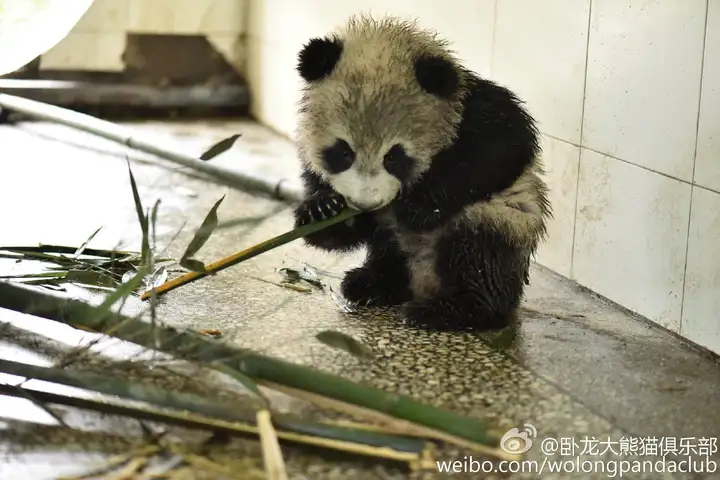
pixel 437 76
pixel 318 58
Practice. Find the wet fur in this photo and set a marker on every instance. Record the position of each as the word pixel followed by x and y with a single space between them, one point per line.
pixel 454 247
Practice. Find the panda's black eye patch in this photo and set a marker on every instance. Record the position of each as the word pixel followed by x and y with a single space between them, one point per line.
pixel 398 163
pixel 338 157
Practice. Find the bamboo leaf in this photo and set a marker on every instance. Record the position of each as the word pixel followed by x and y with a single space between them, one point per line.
pixel 219 147
pixel 124 290
pixel 29 255
pixel 150 282
pixel 153 220
pixel 203 233
pixel 142 218
pixel 192 265
pixel 89 272
pixel 82 247
pixel 49 284
pixel 252 221
pixel 341 341
pixel 241 221
pixel 54 275
pixel 91 278
pixel 44 248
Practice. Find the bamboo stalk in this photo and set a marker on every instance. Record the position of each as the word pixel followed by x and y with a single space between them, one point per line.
pixel 115 461
pixel 389 424
pixel 192 420
pixel 203 406
pixel 248 253
pixel 272 455
pixel 281 188
pixel 198 461
pixel 190 345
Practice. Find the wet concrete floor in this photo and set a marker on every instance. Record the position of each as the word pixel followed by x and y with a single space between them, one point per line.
pixel 575 367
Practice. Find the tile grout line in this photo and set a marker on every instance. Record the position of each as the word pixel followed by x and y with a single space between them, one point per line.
pixel 492 40
pixel 695 185
pixel 692 185
pixel 582 125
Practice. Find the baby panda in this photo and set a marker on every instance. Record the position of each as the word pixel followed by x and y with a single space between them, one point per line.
pixel 442 164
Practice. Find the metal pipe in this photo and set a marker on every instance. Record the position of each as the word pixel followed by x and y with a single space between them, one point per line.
pixel 249 181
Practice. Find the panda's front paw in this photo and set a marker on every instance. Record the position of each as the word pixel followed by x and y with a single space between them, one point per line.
pixel 321 206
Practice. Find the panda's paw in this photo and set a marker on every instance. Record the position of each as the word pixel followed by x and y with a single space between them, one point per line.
pixel 453 311
pixel 439 313
pixel 363 287
pixel 319 207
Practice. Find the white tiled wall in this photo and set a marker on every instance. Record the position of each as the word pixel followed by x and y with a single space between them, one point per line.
pixel 98 40
pixel 707 165
pixel 520 59
pixel 627 96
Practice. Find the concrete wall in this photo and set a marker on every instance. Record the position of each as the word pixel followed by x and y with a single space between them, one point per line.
pixel 627 94
pixel 98 40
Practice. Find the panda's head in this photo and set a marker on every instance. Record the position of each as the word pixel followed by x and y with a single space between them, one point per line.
pixel 381 98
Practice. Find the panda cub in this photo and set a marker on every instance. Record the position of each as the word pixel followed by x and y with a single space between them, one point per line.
pixel 442 164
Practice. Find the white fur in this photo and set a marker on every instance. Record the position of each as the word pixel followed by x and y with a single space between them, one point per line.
pixel 366 191
pixel 372 99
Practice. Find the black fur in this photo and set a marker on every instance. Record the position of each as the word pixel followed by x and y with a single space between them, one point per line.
pixel 482 273
pixel 482 277
pixel 497 140
pixel 345 236
pixel 318 58
pixel 383 280
pixel 398 163
pixel 437 76
pixel 338 157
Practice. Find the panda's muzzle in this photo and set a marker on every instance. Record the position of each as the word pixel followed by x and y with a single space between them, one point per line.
pixel 364 206
pixel 366 192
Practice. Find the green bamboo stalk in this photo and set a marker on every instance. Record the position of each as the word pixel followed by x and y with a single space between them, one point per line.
pixel 250 252
pixel 192 420
pixel 200 405
pixel 190 345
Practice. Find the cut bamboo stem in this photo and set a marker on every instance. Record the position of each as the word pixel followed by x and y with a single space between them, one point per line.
pixel 192 420
pixel 249 253
pixel 190 345
pixel 390 424
pixel 272 454
pixel 186 402
pixel 281 188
